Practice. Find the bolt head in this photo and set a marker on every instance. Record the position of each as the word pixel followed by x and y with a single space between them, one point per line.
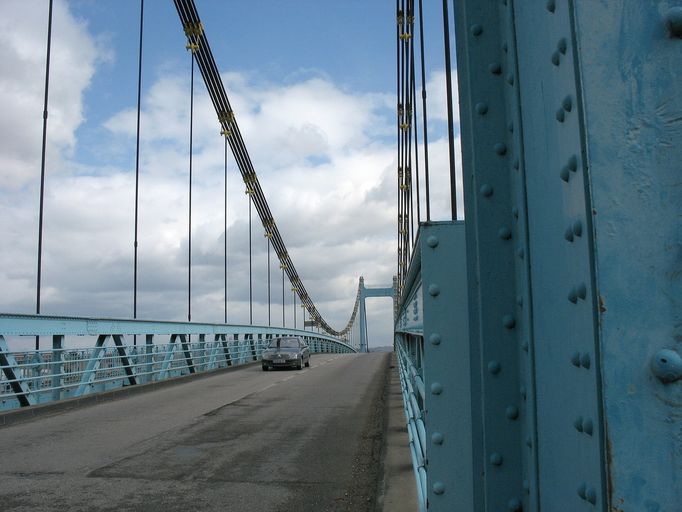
pixel 551 5
pixel 432 241
pixel 567 104
pixel 582 491
pixel 436 388
pixel 435 339
pixel 481 109
pixel 496 459
pixel 508 321
pixel 577 228
pixel 501 148
pixel 434 290
pixel 512 412
pixel 591 495
pixel 560 115
pixel 514 505
pixel 504 233
pixel 564 174
pixel 588 427
pixel 494 367
pixel 556 60
pixel 438 488
pixel 486 190
pixel 495 68
pixel 437 438
pixel 585 360
pixel 673 22
pixel 476 30
pixel 561 46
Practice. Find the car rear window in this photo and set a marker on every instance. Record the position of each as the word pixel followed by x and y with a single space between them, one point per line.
pixel 284 343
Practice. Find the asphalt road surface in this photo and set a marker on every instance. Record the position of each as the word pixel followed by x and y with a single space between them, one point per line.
pixel 242 440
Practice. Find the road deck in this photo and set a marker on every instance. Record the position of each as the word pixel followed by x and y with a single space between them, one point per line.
pixel 241 440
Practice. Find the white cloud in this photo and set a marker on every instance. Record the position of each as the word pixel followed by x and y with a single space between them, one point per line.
pixel 325 157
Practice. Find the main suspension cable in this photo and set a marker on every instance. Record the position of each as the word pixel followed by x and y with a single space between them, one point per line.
pixel 194 30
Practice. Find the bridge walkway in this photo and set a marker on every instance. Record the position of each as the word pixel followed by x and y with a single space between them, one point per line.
pixel 240 440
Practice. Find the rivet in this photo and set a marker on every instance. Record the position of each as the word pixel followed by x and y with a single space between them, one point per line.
pixel 673 21
pixel 519 300
pixel 565 175
pixel 551 5
pixel 437 438
pixel 578 424
pixel 522 391
pixel 438 488
pixel 510 79
pixel 575 359
pixel 496 459
pixel 577 228
pixel 573 296
pixel 512 412
pixel 494 367
pixel 436 388
pixel 561 46
pixel 591 495
pixel 582 291
pixel 567 104
pixel 588 427
pixel 481 109
pixel 516 163
pixel 495 68
pixel 476 30
pixel 510 127
pixel 520 253
pixel 501 148
pixel 560 115
pixel 585 361
pixel 432 241
pixel 434 290
pixel 505 47
pixel 435 339
pixel 515 212
pixel 568 234
pixel 524 346
pixel 508 321
pixel 582 491
pixel 529 442
pixel 504 233
pixel 573 163
pixel 555 58
pixel 514 505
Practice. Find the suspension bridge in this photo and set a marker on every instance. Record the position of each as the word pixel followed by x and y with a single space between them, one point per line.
pixel 537 363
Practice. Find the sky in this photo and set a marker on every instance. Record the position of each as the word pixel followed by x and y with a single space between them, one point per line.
pixel 312 84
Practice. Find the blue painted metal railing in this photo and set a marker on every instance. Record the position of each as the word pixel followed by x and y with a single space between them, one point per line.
pixel 91 355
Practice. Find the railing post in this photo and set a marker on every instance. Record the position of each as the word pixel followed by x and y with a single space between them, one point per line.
pixel 149 357
pixel 56 366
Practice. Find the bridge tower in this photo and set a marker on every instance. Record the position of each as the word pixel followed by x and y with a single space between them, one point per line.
pixel 386 291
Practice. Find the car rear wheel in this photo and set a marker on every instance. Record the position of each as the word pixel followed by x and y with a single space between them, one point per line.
pixel 265 368
pixel 300 364
pixel 307 363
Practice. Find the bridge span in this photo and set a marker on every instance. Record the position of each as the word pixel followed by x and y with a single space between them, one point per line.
pixel 240 439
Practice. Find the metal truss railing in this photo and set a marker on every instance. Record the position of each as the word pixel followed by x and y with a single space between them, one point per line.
pixel 409 352
pixel 91 355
